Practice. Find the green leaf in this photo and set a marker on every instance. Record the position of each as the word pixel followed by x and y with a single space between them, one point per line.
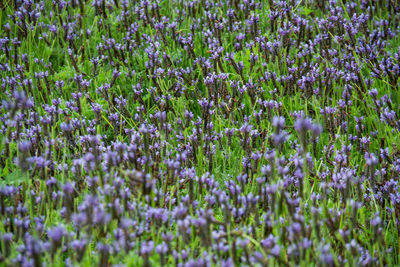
pixel 306 11
pixel 14 178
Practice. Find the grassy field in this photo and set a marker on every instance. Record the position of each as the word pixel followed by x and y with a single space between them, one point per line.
pixel 199 133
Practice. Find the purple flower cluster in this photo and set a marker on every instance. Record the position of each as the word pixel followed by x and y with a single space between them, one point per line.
pixel 199 133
